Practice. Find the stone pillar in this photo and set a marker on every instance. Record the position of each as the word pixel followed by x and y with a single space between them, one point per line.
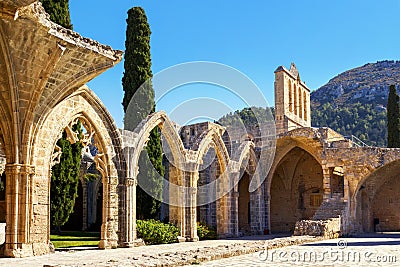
pixel 129 232
pixel 234 212
pixel 267 207
pixel 256 212
pixel 191 215
pixel 223 206
pixel 18 218
pixel 326 179
pixel 176 200
pixel 109 227
pixel 85 205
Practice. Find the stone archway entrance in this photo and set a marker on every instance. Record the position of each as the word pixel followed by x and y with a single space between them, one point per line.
pixel 296 190
pixel 378 200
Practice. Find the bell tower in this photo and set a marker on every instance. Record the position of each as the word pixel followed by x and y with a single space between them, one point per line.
pixel 292 100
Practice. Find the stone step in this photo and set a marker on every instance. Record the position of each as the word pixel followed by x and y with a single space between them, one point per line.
pixel 330 208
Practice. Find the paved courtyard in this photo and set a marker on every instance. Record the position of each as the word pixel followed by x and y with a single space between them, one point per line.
pixel 366 250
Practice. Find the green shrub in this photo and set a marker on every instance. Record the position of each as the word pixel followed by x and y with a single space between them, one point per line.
pixel 155 232
pixel 206 232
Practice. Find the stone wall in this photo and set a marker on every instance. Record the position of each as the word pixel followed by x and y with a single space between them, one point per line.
pixel 326 228
pixel 385 207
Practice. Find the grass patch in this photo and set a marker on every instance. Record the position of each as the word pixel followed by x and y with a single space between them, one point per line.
pixel 75 239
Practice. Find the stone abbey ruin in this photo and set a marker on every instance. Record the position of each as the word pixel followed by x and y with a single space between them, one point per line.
pixel 317 175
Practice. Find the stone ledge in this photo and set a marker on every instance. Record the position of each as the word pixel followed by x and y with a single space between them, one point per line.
pixel 36 13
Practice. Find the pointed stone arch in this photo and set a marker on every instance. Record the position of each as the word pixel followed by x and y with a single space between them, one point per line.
pixel 300 182
pixel 86 107
pixel 212 138
pixel 375 202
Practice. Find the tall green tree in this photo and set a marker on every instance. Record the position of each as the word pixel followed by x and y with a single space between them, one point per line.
pixel 393 118
pixel 65 179
pixel 137 75
pixel 58 11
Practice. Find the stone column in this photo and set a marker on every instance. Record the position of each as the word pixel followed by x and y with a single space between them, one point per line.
pixel 191 215
pixel 189 227
pixel 130 212
pixel 256 211
pixel 235 212
pixel 18 218
pixel 129 221
pixel 177 197
pixel 109 227
pixel 223 206
pixel 326 179
pixel 128 234
pixel 267 206
pixel 85 205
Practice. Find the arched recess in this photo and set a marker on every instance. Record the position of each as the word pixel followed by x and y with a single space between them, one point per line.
pixel 286 144
pixel 296 190
pixel 377 200
pixel 87 108
pixel 212 140
pixel 245 214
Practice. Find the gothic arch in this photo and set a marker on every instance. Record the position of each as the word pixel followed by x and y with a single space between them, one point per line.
pixel 167 128
pixel 297 180
pixel 87 108
pixel 212 138
pixel 374 177
pixel 378 211
pixel 284 151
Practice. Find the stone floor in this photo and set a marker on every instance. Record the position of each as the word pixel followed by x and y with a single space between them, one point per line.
pixel 366 250
pixel 376 250
pixel 159 255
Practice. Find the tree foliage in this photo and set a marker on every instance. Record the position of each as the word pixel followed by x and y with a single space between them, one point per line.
pixel 65 179
pixel 393 118
pixel 137 75
pixel 365 121
pixel 58 11
pixel 246 116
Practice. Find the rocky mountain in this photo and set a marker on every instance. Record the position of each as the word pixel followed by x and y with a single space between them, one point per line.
pixel 354 102
pixel 366 84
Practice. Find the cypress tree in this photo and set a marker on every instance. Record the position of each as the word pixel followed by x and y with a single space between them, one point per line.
pixel 393 118
pixel 58 11
pixel 138 73
pixel 65 179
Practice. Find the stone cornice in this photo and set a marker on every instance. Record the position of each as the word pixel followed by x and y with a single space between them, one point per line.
pixel 36 13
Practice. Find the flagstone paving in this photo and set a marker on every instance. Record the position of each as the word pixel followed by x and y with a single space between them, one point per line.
pixel 159 255
pixel 366 250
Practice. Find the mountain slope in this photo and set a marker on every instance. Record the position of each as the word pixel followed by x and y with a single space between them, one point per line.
pixel 354 102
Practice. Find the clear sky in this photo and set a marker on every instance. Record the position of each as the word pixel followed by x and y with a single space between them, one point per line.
pixel 323 38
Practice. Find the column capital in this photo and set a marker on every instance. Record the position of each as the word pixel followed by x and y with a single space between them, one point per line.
pixel 15 168
pixel 130 181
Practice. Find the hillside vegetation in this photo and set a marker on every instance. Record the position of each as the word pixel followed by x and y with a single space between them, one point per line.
pixel 354 102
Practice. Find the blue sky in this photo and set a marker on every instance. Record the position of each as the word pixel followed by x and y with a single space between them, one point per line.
pixel 323 38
